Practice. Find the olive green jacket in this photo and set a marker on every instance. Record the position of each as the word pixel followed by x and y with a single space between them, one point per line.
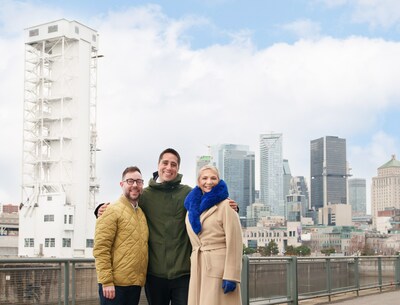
pixel 169 245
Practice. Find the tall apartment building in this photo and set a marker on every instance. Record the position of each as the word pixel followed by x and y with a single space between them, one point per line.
pixel 59 182
pixel 385 189
pixel 358 196
pixel 271 172
pixel 328 171
pixel 236 165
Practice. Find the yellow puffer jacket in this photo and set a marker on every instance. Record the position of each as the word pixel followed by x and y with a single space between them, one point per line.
pixel 120 245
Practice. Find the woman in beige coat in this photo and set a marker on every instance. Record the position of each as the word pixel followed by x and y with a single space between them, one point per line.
pixel 216 237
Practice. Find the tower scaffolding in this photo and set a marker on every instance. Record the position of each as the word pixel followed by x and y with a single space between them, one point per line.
pixel 59 139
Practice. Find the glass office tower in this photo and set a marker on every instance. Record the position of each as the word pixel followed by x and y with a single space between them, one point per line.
pixel 271 172
pixel 328 171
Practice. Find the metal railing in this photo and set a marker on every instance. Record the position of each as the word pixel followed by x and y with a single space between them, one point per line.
pixel 265 280
pixel 277 280
pixel 48 281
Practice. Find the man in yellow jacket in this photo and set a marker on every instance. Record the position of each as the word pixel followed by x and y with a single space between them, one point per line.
pixel 120 245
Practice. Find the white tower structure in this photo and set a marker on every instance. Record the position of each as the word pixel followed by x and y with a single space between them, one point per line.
pixel 59 184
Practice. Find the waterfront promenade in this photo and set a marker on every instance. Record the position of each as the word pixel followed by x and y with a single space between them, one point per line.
pixel 369 297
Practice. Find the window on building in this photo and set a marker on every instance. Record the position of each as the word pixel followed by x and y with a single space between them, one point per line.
pixel 89 243
pixel 76 30
pixel 48 218
pixel 66 242
pixel 34 32
pixel 52 28
pixel 49 198
pixel 49 242
pixel 65 218
pixel 71 219
pixel 29 243
pixel 94 38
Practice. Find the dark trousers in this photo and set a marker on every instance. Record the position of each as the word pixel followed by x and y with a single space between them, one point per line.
pixel 124 295
pixel 161 291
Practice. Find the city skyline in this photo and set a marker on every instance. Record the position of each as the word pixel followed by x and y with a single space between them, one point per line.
pixel 188 75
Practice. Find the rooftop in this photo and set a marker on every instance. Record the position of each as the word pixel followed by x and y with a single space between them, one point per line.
pixel 392 163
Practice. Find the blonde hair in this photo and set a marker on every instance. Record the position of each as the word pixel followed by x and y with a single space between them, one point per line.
pixel 206 167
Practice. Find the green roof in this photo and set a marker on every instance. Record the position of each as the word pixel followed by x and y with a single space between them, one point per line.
pixel 392 163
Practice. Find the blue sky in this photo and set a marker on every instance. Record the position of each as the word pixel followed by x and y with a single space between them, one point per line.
pixel 198 73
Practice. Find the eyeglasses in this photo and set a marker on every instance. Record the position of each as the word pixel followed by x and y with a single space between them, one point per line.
pixel 139 182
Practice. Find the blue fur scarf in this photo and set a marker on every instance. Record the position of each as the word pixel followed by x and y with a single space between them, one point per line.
pixel 196 202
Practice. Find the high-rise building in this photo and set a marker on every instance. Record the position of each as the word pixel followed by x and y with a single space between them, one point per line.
pixel 271 172
pixel 299 186
pixel 297 200
pixel 328 171
pixel 385 189
pixel 287 176
pixel 59 181
pixel 236 165
pixel 358 196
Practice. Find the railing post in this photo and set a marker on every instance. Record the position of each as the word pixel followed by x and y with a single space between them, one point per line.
pixel 397 271
pixel 244 285
pixel 380 273
pixel 73 284
pixel 357 274
pixel 59 283
pixel 66 282
pixel 328 277
pixel 294 280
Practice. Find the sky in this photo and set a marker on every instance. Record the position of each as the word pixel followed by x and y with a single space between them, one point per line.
pixel 189 74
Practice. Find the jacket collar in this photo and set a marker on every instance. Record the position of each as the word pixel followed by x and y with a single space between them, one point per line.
pixel 167 184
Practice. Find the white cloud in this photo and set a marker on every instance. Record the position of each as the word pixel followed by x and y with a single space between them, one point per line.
pixel 17 15
pixel 385 13
pixel 376 13
pixel 303 29
pixel 154 92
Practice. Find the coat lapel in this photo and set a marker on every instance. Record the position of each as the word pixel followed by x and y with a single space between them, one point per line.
pixel 208 212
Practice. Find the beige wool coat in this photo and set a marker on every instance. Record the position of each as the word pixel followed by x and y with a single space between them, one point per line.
pixel 217 255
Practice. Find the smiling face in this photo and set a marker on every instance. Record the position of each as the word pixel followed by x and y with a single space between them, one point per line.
pixel 168 167
pixel 132 192
pixel 208 178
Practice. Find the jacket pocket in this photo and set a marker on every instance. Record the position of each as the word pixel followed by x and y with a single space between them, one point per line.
pixel 215 263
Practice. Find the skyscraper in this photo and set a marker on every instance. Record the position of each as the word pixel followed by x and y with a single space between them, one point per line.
pixel 328 171
pixel 297 200
pixel 236 165
pixel 287 176
pixel 385 190
pixel 59 181
pixel 271 172
pixel 358 196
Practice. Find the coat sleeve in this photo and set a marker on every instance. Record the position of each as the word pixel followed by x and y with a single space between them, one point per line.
pixel 106 229
pixel 234 244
